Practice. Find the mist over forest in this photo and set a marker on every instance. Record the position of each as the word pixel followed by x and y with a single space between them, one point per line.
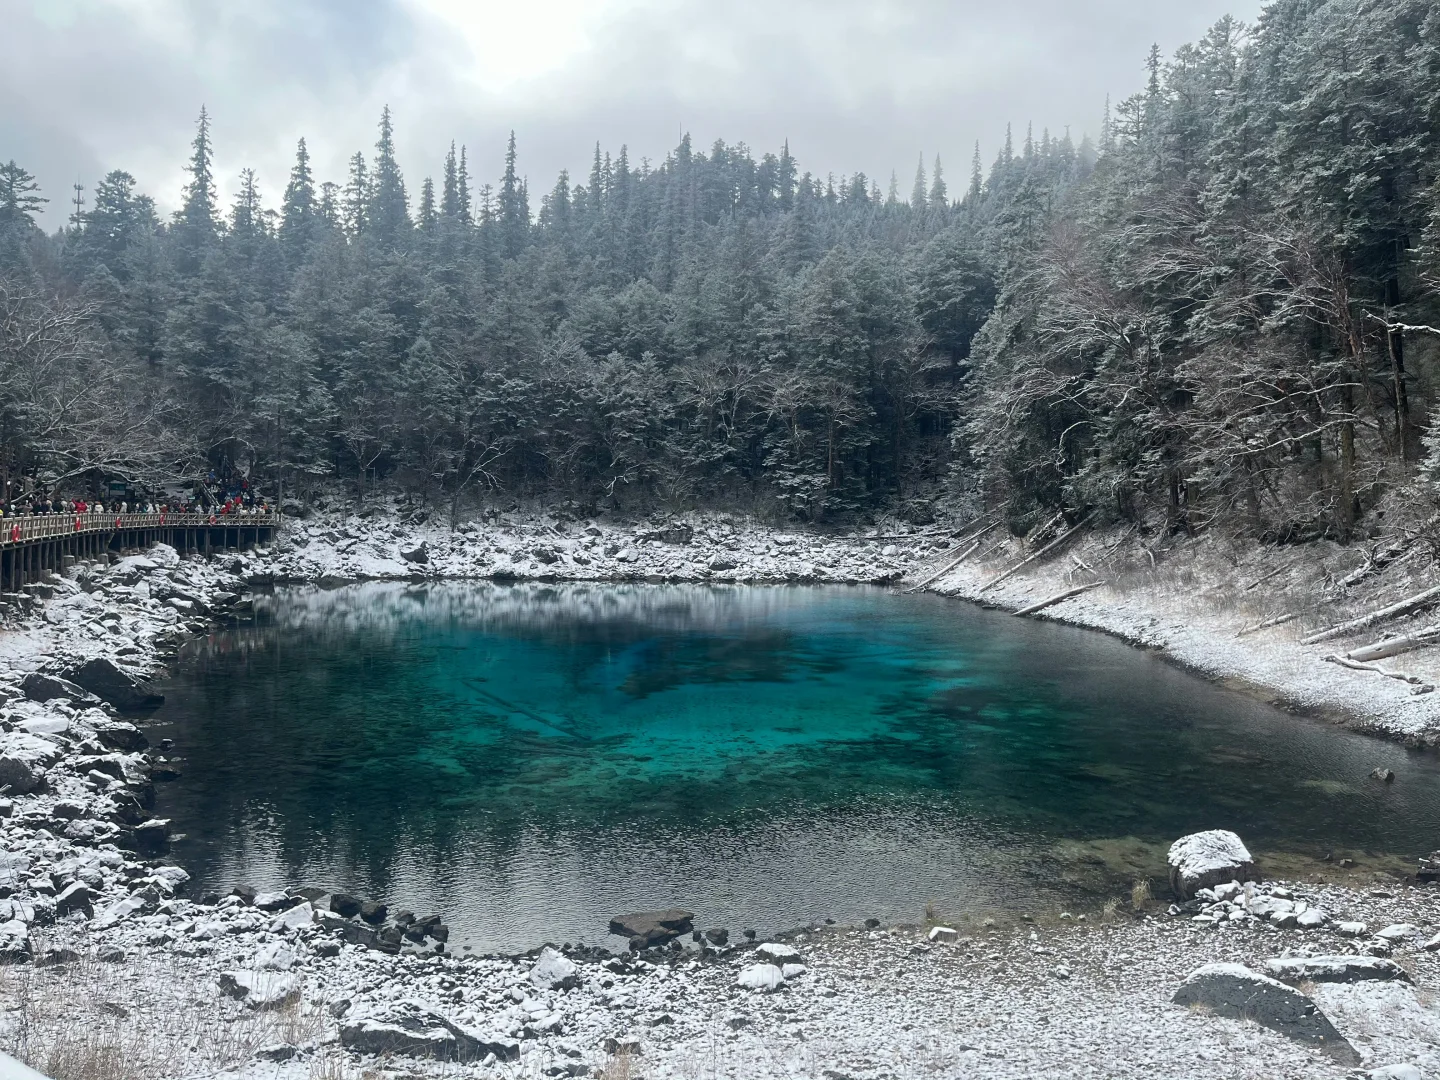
pixel 1220 311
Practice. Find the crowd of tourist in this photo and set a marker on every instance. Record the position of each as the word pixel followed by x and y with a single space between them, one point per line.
pixel 240 504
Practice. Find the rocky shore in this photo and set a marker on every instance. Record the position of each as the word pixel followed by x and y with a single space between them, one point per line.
pixel 112 958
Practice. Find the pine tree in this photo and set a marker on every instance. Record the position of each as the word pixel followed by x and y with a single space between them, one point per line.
pixel 450 185
pixel 429 216
pixel 918 189
pixel 196 220
pixel 463 182
pixel 297 208
pixel 19 198
pixel 513 210
pixel 329 208
pixel 389 210
pixel 977 179
pixel 939 198
pixel 247 215
pixel 357 198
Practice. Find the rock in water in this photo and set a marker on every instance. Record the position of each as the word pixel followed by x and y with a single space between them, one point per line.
pixel 1205 859
pixel 110 682
pixel 653 927
pixel 1341 969
pixel 553 971
pixel 1235 991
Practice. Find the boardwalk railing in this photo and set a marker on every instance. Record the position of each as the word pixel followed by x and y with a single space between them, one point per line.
pixel 26 529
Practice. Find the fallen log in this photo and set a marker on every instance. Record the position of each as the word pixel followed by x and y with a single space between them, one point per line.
pixel 1051 600
pixel 1066 535
pixel 1278 620
pixel 1394 611
pixel 1394 646
pixel 952 565
pixel 1420 686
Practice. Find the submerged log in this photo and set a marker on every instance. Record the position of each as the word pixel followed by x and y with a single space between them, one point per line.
pixel 1394 611
pixel 1050 601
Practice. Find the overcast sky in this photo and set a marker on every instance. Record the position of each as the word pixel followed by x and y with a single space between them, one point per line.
pixel 91 85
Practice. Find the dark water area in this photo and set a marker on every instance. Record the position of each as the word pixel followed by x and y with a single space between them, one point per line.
pixel 532 759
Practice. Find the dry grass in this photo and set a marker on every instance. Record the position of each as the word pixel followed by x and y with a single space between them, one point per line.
pixel 621 1066
pixel 149 1017
pixel 1141 898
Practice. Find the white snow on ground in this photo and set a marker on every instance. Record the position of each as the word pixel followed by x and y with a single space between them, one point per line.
pixel 114 962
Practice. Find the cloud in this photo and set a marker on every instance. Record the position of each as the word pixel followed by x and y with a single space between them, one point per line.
pixel 89 85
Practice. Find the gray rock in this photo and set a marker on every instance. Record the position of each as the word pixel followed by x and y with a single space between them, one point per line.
pixel 553 971
pixel 717 937
pixel 412 1029
pixel 720 563
pixel 260 990
pixel 653 927
pixel 1235 991
pixel 112 683
pixel 76 897
pixel 1339 969
pixel 151 837
pixel 779 955
pixel 41 687
pixel 373 912
pixel 1400 1071
pixel 1205 859
pixel 415 553
pixel 346 906
pixel 14 942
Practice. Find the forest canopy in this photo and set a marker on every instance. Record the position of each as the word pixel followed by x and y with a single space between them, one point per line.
pixel 1221 311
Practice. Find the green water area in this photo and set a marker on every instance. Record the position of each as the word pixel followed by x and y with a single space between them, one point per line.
pixel 529 760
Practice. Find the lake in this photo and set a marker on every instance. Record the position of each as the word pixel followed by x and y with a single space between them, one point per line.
pixel 530 759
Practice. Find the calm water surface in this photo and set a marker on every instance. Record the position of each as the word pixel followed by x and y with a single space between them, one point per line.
pixel 531 759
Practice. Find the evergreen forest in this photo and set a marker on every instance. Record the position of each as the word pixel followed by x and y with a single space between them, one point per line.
pixel 1222 310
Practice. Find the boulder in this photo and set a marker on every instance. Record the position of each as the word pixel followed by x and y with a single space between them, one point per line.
pixel 1205 859
pixel 1398 932
pixel 23 761
pixel 718 937
pixel 345 906
pixel 260 990
pixel 151 837
pixel 418 553
pixel 779 955
pixel 76 897
pixel 411 1029
pixel 653 927
pixel 1235 991
pixel 1337 969
pixel 294 918
pixel 1400 1071
pixel 721 563
pixel 373 913
pixel 38 686
pixel 112 683
pixel 14 942
pixel 765 977
pixel 553 971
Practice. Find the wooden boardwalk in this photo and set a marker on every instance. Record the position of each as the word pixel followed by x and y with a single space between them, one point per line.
pixel 30 546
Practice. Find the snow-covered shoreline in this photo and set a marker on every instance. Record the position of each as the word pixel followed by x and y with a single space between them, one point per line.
pixel 295 986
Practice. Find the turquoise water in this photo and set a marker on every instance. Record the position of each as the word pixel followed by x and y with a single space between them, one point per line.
pixel 532 759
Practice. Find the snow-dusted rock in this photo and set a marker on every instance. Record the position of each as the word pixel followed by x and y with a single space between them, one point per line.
pixel 1334 969
pixel 293 919
pixel 942 933
pixel 418 553
pixel 14 942
pixel 761 977
pixel 1351 929
pixel 774 953
pixel 24 759
pixel 412 1029
pixel 277 956
pixel 1311 918
pixel 793 971
pixel 260 989
pixel 553 971
pixel 1205 859
pixel 1401 1071
pixel 1398 932
pixel 1234 990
